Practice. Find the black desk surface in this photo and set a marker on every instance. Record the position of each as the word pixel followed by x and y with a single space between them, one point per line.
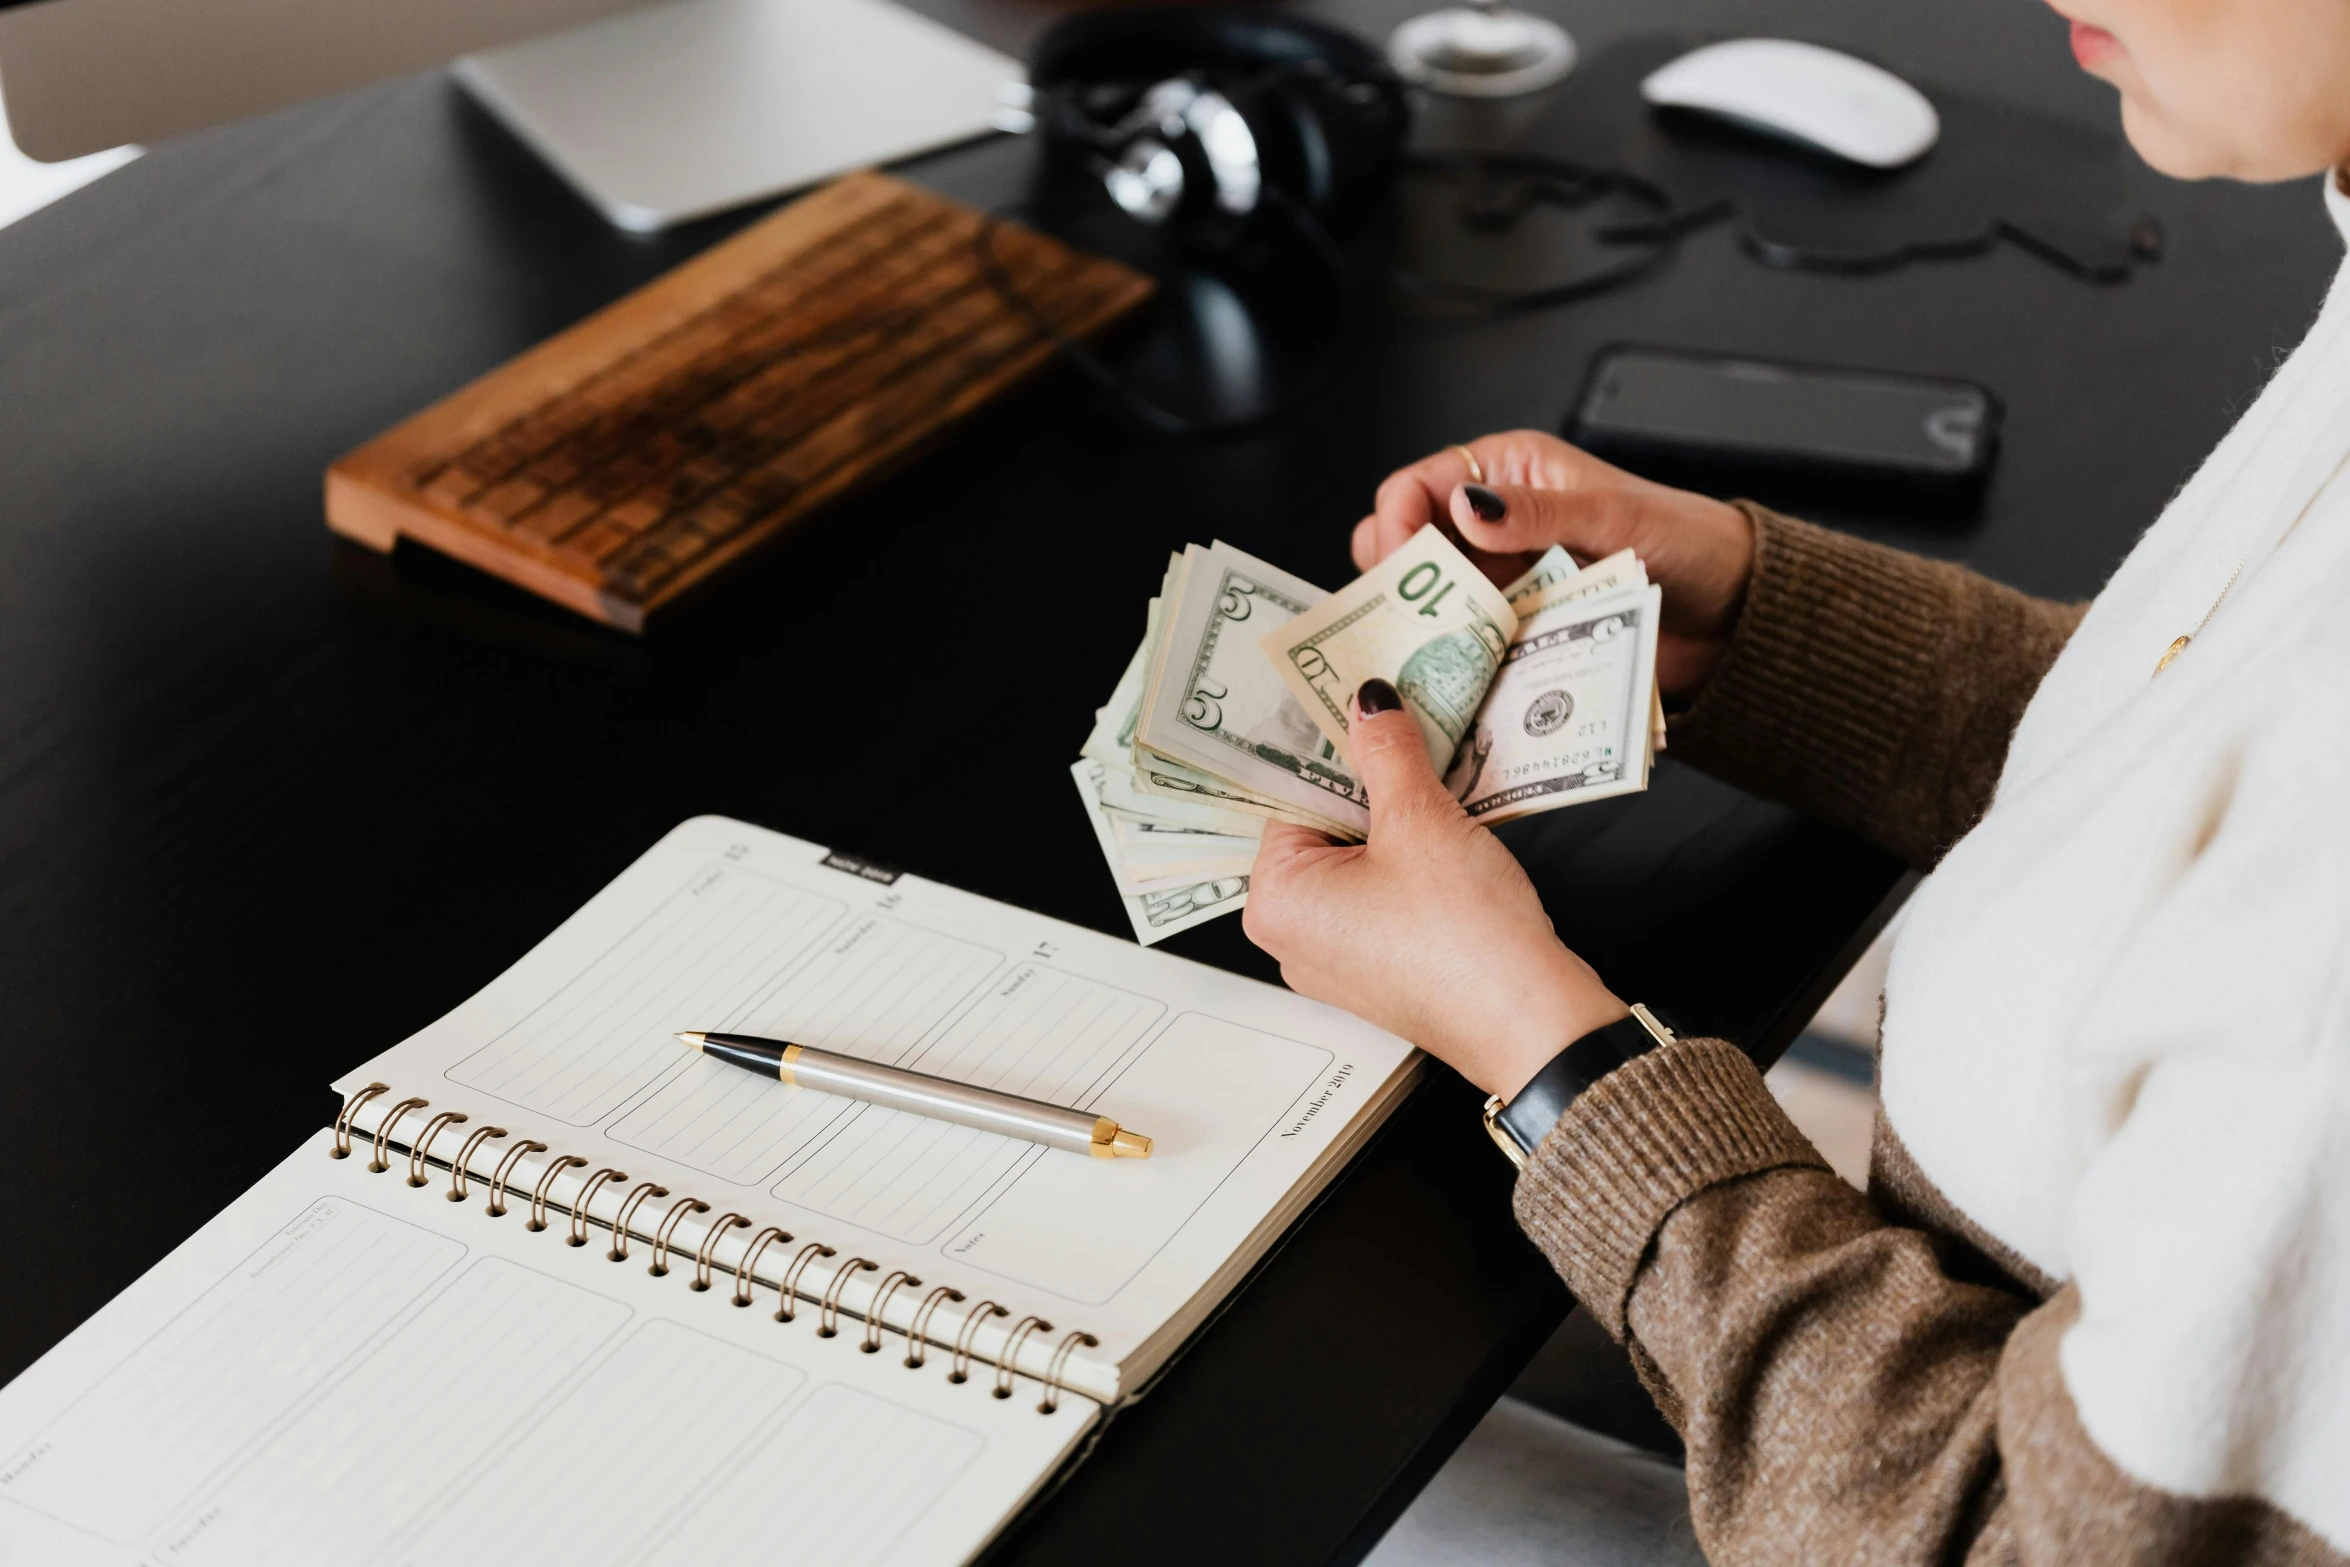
pixel 268 803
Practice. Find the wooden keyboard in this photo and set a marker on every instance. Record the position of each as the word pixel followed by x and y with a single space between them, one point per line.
pixel 620 463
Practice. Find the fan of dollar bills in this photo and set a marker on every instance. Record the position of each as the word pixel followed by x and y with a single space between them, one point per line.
pixel 1234 710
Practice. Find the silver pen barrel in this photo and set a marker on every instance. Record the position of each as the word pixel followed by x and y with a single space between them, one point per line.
pixel 918 1093
pixel 943 1100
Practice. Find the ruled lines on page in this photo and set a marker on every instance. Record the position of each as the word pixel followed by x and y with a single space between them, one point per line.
pixel 1212 1093
pixel 1245 1089
pixel 230 1366
pixel 453 1386
pixel 684 1449
pixel 648 1418
pixel 704 952
pixel 842 1479
pixel 875 990
pixel 378 1377
pixel 1039 1033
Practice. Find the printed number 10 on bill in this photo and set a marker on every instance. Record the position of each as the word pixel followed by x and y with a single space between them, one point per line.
pixel 1424 619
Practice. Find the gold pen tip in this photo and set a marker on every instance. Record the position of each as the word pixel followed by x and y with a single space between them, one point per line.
pixel 693 1037
pixel 1130 1145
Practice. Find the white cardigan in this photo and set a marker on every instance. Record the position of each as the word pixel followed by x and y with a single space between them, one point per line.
pixel 2117 1028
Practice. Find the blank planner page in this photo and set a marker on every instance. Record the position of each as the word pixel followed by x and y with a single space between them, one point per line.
pixel 1244 1088
pixel 344 1368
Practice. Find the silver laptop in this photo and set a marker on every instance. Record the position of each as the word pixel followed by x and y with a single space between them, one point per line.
pixel 655 114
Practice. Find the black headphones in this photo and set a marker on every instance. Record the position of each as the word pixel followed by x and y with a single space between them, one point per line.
pixel 1202 122
pixel 1198 121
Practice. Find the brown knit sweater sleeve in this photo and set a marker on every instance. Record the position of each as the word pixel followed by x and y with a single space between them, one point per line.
pixel 1871 687
pixel 1843 1398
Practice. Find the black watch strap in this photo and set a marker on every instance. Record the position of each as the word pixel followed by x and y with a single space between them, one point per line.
pixel 1518 1127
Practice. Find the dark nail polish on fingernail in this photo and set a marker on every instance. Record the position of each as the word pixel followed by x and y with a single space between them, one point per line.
pixel 1374 697
pixel 1488 506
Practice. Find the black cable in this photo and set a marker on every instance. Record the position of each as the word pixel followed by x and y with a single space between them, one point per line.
pixel 1535 180
pixel 1557 182
pixel 1508 186
pixel 1554 181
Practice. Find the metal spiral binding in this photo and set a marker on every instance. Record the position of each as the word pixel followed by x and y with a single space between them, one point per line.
pixel 423 1149
pixel 464 1159
pixel 587 1200
pixel 786 1310
pixel 918 1332
pixel 959 1368
pixel 383 1129
pixel 743 1269
pixel 635 1200
pixel 875 1315
pixel 1005 1367
pixel 828 1314
pixel 342 1148
pixel 497 1204
pixel 677 1210
pixel 538 1197
pixel 1052 1373
pixel 730 1221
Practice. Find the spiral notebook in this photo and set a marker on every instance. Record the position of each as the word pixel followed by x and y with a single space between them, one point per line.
pixel 553 1288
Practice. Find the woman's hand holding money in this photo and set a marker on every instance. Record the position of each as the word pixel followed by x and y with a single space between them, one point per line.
pixel 1430 930
pixel 1538 491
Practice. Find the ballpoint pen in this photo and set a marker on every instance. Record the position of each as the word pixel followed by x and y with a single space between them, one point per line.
pixel 939 1098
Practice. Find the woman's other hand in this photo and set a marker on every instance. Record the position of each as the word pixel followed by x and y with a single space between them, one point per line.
pixel 1539 491
pixel 1430 930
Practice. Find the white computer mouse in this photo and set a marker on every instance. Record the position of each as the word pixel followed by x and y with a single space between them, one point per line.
pixel 1803 93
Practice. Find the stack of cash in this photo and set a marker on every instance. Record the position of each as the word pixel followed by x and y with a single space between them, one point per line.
pixel 1234 711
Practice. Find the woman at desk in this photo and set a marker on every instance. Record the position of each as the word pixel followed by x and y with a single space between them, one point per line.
pixel 2096 1304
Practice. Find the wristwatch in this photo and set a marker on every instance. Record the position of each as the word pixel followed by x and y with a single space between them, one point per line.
pixel 1518 1127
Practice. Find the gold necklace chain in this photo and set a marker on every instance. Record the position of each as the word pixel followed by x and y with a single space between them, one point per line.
pixel 2180 645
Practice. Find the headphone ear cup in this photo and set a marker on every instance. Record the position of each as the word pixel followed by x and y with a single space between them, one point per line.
pixel 1331 144
pixel 1328 115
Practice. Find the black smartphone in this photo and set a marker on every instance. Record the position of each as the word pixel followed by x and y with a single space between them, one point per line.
pixel 1778 429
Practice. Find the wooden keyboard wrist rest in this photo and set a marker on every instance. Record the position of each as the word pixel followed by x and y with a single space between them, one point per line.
pixel 633 456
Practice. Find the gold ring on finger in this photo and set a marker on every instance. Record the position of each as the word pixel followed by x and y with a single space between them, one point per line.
pixel 1476 468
